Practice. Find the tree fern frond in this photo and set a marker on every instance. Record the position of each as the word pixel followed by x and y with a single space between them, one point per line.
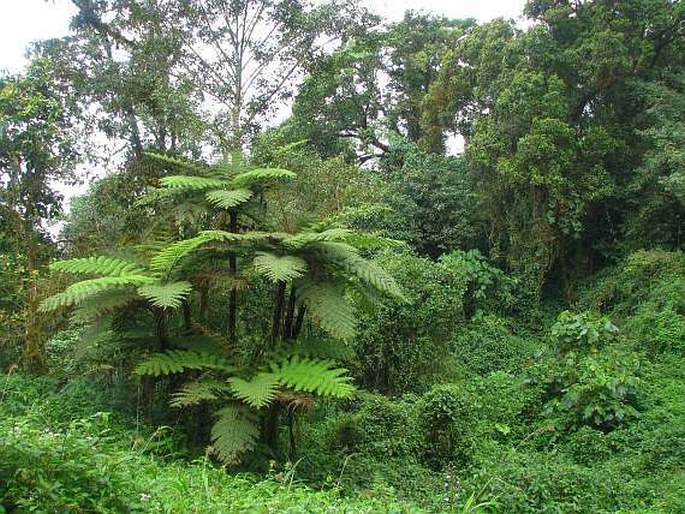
pixel 234 433
pixel 101 265
pixel 258 391
pixel 259 175
pixel 314 376
pixel 369 241
pixel 197 392
pixel 279 268
pixel 300 240
pixel 191 183
pixel 177 361
pixel 328 308
pixel 227 199
pixel 166 296
pixel 87 289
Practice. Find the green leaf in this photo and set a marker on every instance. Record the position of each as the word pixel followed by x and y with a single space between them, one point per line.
pixel 314 376
pixel 169 296
pixel 257 392
pixel 279 268
pixel 189 183
pixel 227 199
pixel 234 433
pixel 177 361
pixel 259 175
pixel 100 265
pixel 87 289
pixel 328 308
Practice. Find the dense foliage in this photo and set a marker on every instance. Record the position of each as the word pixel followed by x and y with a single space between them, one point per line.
pixel 451 280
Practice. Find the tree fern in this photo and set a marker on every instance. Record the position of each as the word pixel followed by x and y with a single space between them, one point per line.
pixel 314 376
pixel 228 199
pixel 177 361
pixel 165 296
pixel 234 433
pixel 100 265
pixel 279 268
pixel 258 391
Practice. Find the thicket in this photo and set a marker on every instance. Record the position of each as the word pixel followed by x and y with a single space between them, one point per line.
pixel 338 314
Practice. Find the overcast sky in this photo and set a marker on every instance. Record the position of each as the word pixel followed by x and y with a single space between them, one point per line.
pixel 23 21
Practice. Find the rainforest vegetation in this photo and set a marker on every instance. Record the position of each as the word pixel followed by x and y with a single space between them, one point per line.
pixel 342 264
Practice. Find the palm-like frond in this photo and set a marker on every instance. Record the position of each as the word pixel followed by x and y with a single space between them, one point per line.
pixel 234 433
pixel 279 268
pixel 228 199
pixel 260 175
pixel 258 391
pixel 314 376
pixel 101 265
pixel 166 296
pixel 177 361
pixel 79 292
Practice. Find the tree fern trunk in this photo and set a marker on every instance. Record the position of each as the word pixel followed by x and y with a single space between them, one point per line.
pixel 289 316
pixel 233 269
pixel 299 322
pixel 279 305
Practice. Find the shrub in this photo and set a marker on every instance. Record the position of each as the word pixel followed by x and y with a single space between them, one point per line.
pixel 588 381
pixel 487 344
pixel 446 420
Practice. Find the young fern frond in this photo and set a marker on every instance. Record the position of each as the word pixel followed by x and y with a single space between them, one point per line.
pixel 279 268
pixel 258 391
pixel 234 433
pixel 177 361
pixel 79 292
pixel 314 376
pixel 166 296
pixel 327 306
pixel 228 199
pixel 260 175
pixel 101 265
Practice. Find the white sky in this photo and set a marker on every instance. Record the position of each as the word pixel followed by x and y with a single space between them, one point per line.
pixel 23 21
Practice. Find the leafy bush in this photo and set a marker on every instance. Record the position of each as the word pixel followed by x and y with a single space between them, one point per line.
pixel 446 419
pixel 589 381
pixel 487 344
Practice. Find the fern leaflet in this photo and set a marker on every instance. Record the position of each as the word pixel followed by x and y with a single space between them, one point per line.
pixel 101 265
pixel 314 376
